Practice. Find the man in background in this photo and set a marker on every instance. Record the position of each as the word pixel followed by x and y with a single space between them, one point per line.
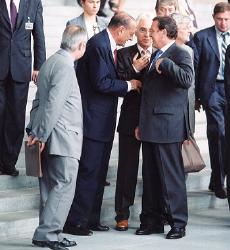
pixel 19 20
pixel 210 47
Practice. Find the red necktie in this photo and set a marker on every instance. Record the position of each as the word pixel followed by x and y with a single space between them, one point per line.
pixel 13 14
pixel 115 56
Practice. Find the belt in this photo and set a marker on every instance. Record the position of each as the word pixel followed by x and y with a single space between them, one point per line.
pixel 219 81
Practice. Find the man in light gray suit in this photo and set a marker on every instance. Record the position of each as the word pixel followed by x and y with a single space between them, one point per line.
pixel 56 122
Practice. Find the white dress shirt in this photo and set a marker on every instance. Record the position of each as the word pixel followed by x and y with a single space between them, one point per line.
pixel 113 46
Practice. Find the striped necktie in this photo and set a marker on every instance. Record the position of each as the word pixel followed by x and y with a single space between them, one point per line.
pixel 13 14
pixel 223 49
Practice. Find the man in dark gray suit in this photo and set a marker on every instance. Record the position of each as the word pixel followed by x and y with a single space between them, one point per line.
pixel 56 122
pixel 19 19
pixel 163 126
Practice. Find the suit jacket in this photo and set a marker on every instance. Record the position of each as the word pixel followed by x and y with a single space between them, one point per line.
pixel 206 63
pixel 227 75
pixel 102 22
pixel 129 115
pixel 15 47
pixel 56 114
pixel 163 112
pixel 191 95
pixel 100 88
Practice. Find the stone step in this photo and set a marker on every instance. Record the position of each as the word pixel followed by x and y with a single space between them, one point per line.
pixel 196 201
pixel 24 222
pixel 18 223
pixel 59 2
pixel 13 200
pixel 21 181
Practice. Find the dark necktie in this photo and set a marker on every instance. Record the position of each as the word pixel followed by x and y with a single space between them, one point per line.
pixel 13 14
pixel 115 56
pixel 154 58
pixel 223 49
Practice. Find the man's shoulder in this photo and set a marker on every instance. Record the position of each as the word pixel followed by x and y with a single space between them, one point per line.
pixel 203 33
pixel 99 40
pixel 128 50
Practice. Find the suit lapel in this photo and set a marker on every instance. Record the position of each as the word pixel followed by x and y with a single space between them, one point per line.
pixel 107 41
pixel 23 5
pixel 213 42
pixel 5 13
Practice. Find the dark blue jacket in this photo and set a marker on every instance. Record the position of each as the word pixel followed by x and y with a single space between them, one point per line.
pixel 15 47
pixel 100 88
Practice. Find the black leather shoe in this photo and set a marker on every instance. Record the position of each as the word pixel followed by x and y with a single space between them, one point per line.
pixel 9 170
pixel 175 233
pixel 99 227
pixel 77 230
pixel 219 192
pixel 67 243
pixel 107 183
pixel 149 229
pixel 55 245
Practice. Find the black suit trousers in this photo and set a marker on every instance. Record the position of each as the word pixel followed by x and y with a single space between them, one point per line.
pixel 163 185
pixel 215 113
pixel 93 167
pixel 13 99
pixel 128 162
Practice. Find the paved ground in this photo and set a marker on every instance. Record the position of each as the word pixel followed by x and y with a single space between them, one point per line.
pixel 207 230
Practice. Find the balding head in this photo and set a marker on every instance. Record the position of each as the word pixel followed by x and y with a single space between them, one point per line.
pixel 122 27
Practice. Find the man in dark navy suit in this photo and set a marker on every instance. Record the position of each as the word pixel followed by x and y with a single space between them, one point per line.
pixel 19 19
pixel 227 128
pixel 210 47
pixel 100 88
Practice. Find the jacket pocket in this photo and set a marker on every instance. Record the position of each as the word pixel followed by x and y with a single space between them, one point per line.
pixel 165 110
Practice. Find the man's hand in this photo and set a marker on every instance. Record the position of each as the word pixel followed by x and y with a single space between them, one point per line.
pixel 157 65
pixel 141 62
pixel 32 141
pixel 137 133
pixel 35 76
pixel 136 85
pixel 197 105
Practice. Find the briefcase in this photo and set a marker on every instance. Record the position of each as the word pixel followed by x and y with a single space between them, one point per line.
pixel 33 160
pixel 192 159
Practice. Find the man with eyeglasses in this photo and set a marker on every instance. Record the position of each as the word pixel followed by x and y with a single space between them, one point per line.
pixel 132 62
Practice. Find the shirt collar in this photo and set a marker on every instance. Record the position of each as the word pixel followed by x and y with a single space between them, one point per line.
pixel 150 49
pixel 219 33
pixel 112 41
pixel 163 49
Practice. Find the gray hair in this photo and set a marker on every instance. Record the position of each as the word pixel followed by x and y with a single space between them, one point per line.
pixel 72 36
pixel 181 19
pixel 143 16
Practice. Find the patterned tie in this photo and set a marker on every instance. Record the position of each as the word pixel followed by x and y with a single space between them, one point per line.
pixel 223 49
pixel 154 58
pixel 13 14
